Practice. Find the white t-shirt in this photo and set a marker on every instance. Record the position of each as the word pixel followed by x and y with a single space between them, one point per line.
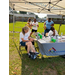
pixel 35 25
pixel 25 37
pixel 51 33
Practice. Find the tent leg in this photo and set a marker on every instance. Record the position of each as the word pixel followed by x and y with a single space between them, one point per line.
pixel 60 25
pixel 13 25
pixel 59 29
pixel 13 22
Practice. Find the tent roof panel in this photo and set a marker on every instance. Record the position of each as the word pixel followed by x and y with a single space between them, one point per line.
pixel 39 6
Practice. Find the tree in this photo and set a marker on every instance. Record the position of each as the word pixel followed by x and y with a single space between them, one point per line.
pixel 22 12
pixel 36 16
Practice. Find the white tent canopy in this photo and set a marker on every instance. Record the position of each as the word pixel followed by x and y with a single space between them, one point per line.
pixel 39 6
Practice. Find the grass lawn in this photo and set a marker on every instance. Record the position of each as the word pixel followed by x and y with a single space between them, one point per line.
pixel 18 27
pixel 26 66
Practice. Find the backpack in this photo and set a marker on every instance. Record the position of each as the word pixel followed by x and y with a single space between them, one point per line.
pixel 32 55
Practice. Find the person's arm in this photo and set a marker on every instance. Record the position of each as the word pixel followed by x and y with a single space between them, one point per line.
pixel 47 34
pixel 37 24
pixel 53 32
pixel 44 23
pixel 31 39
pixel 24 40
pixel 30 24
pixel 52 25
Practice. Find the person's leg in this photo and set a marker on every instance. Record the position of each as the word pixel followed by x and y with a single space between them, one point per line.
pixel 28 46
pixel 48 30
pixel 31 32
pixel 31 46
pixel 45 31
pixel 33 42
pixel 35 32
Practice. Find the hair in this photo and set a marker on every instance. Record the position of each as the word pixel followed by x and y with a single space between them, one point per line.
pixel 49 18
pixel 52 28
pixel 29 20
pixel 24 28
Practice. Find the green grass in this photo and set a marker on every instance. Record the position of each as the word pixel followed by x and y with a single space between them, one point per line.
pixel 18 27
pixel 26 66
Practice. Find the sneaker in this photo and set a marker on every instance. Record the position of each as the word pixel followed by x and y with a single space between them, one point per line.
pixel 29 55
pixel 36 53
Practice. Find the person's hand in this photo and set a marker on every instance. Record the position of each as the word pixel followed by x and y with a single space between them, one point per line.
pixel 37 25
pixel 32 39
pixel 46 34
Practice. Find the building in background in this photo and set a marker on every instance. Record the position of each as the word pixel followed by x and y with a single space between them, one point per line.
pixel 21 17
pixel 57 18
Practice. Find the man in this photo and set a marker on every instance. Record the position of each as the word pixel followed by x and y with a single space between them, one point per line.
pixel 49 23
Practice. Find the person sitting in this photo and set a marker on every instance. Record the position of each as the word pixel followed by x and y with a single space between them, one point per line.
pixel 25 40
pixel 52 32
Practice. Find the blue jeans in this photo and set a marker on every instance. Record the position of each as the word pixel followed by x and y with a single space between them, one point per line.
pixel 46 31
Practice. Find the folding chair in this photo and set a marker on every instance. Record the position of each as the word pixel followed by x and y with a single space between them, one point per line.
pixel 20 51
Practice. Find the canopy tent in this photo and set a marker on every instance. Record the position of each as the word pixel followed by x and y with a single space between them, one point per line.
pixel 38 6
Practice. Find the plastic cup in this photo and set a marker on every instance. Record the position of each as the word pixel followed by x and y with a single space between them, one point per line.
pixel 54 40
pixel 40 36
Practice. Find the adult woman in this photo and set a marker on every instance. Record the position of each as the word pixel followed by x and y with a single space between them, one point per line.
pixel 49 23
pixel 25 40
pixel 29 24
pixel 35 25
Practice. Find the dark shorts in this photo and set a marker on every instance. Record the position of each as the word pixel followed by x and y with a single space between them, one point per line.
pixel 23 43
pixel 34 30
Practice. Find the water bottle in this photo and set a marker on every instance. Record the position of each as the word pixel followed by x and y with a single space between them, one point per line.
pixel 40 35
pixel 61 34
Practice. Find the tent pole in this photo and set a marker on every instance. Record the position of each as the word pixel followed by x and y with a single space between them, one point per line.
pixel 60 24
pixel 13 22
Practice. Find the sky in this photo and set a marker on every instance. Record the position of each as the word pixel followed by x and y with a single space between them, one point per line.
pixel 40 15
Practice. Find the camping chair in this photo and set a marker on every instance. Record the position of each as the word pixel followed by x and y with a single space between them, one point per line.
pixel 20 51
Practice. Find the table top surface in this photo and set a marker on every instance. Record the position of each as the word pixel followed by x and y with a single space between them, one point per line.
pixel 44 41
